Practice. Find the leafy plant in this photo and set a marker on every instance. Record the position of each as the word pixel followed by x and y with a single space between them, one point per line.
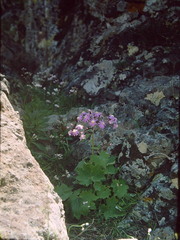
pixel 95 186
pixel 34 120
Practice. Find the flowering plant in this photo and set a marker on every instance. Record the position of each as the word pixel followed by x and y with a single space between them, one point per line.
pixel 90 121
pixel 95 185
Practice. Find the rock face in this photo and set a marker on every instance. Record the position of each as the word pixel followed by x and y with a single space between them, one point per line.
pixel 125 58
pixel 29 208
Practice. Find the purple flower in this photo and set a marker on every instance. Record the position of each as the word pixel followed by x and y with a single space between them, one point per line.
pixel 86 117
pixel 79 127
pixel 102 124
pixel 115 125
pixel 82 136
pixel 92 123
pixel 81 116
pixel 97 114
pixel 73 132
pixel 70 132
pixel 91 119
pixel 112 119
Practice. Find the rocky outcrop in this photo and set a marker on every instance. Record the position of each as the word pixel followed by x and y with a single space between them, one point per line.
pixel 122 57
pixel 29 207
pixel 146 146
pixel 130 70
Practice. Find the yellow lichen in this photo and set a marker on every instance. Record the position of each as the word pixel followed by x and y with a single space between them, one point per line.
pixel 155 97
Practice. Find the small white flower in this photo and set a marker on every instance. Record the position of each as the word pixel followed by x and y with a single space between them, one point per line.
pixel 68 175
pixel 79 127
pixel 35 137
pixel 58 155
pixel 84 224
pixel 56 105
pixel 56 177
pixel 82 136
pixel 37 85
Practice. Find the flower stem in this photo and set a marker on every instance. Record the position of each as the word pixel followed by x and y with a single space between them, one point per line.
pixel 92 142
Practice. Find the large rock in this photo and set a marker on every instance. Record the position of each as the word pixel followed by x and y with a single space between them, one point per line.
pixel 29 207
pixel 100 76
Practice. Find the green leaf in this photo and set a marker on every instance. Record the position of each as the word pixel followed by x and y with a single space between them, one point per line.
pixel 64 191
pixel 105 161
pixel 119 187
pixel 110 169
pixel 102 191
pixel 109 210
pixel 88 173
pixel 101 159
pixel 97 174
pixel 88 195
pixel 88 198
pixel 111 160
pixel 97 186
pixel 80 207
pixel 84 171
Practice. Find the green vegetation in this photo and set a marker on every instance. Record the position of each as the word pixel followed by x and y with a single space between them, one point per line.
pixel 95 198
pixel 47 146
pixel 96 189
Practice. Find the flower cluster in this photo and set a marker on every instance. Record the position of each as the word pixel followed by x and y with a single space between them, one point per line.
pixel 84 225
pixel 34 137
pixel 91 119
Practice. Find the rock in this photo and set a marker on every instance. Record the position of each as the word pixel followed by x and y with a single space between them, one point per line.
pixel 163 211
pixel 121 6
pixel 155 5
pixel 29 207
pixel 4 85
pixel 56 120
pixel 155 97
pixel 166 233
pixel 98 77
pixel 96 8
pixel 52 121
pixel 136 173
pixel 132 49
